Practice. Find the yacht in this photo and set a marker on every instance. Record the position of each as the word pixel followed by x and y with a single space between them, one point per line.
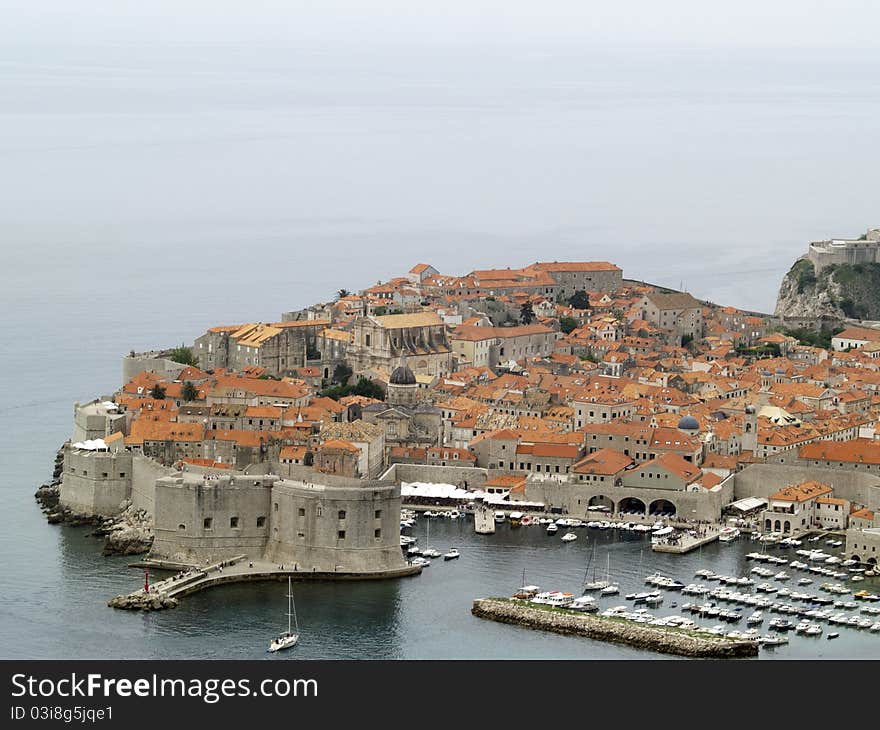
pixel 569 537
pixel 500 517
pixel 453 554
pixel 290 637
pixel 526 593
pixel 423 562
pixel 728 534
pixel 610 590
pixel 552 529
pixel 756 618
pixel 584 603
pixel 596 585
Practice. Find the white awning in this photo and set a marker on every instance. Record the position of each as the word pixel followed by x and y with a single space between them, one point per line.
pixel 748 504
pixel 91 445
pixel 425 490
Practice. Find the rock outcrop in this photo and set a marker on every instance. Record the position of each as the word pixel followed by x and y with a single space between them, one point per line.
pixel 837 291
pixel 130 533
pixel 142 602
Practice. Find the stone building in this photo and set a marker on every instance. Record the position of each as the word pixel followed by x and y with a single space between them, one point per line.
pixel 491 347
pixel 846 250
pixel 575 276
pixel 378 343
pixel 403 388
pixel 280 347
pixel 95 480
pixel 97 419
pixel 367 437
pixel 804 506
pixel 339 458
pixel 319 522
pixel 677 313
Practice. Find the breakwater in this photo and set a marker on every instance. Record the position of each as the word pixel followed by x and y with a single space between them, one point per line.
pixel 165 593
pixel 651 638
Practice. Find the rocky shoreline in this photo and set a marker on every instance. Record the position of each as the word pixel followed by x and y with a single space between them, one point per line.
pixel 128 533
pixel 648 638
pixel 142 602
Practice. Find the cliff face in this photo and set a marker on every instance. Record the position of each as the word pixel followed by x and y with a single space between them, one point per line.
pixel 840 291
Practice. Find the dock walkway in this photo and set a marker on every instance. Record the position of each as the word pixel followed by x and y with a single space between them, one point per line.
pixel 685 543
pixel 165 593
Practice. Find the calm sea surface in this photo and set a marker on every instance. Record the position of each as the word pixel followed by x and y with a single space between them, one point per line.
pixel 150 192
pixel 425 617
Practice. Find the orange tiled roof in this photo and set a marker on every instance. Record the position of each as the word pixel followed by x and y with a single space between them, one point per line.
pixel 801 492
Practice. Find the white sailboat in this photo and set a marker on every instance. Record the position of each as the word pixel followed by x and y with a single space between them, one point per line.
pixel 290 637
pixel 611 589
pixel 429 552
pixel 593 585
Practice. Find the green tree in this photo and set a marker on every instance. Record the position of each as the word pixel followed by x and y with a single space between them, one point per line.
pixel 183 355
pixel 363 387
pixel 341 373
pixel 567 324
pixel 526 313
pixel 379 311
pixel 368 389
pixel 189 391
pixel 579 300
pixel 157 392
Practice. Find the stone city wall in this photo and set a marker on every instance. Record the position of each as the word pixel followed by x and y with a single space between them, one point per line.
pixel 762 480
pixel 466 477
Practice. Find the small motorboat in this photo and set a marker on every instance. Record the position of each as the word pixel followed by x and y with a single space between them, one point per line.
pixel 552 529
pixel 569 537
pixel 453 554
pixel 833 635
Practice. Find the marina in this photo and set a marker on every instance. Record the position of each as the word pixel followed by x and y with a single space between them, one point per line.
pixel 428 616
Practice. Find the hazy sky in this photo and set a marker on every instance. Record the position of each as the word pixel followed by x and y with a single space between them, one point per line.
pixel 743 23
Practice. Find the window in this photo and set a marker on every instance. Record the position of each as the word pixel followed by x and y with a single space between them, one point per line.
pixel 207 524
pixel 367 340
pixel 276 507
pixel 301 535
pixel 377 514
pixel 301 511
pixel 377 533
pixel 104 474
pixel 233 521
pixel 261 521
pixel 121 474
pixel 341 514
pixel 181 526
pixel 341 534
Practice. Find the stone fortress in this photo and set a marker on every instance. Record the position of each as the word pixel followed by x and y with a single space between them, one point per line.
pixel 322 518
pixel 846 251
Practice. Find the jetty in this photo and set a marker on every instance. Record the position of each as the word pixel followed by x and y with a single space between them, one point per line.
pixel 665 639
pixel 684 544
pixel 166 593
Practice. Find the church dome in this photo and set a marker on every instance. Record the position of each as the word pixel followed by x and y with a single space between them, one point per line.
pixel 688 423
pixel 402 375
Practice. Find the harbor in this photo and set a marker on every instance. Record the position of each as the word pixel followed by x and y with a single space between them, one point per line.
pixel 427 616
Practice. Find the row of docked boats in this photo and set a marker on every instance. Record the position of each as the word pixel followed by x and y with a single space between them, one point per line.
pixel 557 599
pixel 642 616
